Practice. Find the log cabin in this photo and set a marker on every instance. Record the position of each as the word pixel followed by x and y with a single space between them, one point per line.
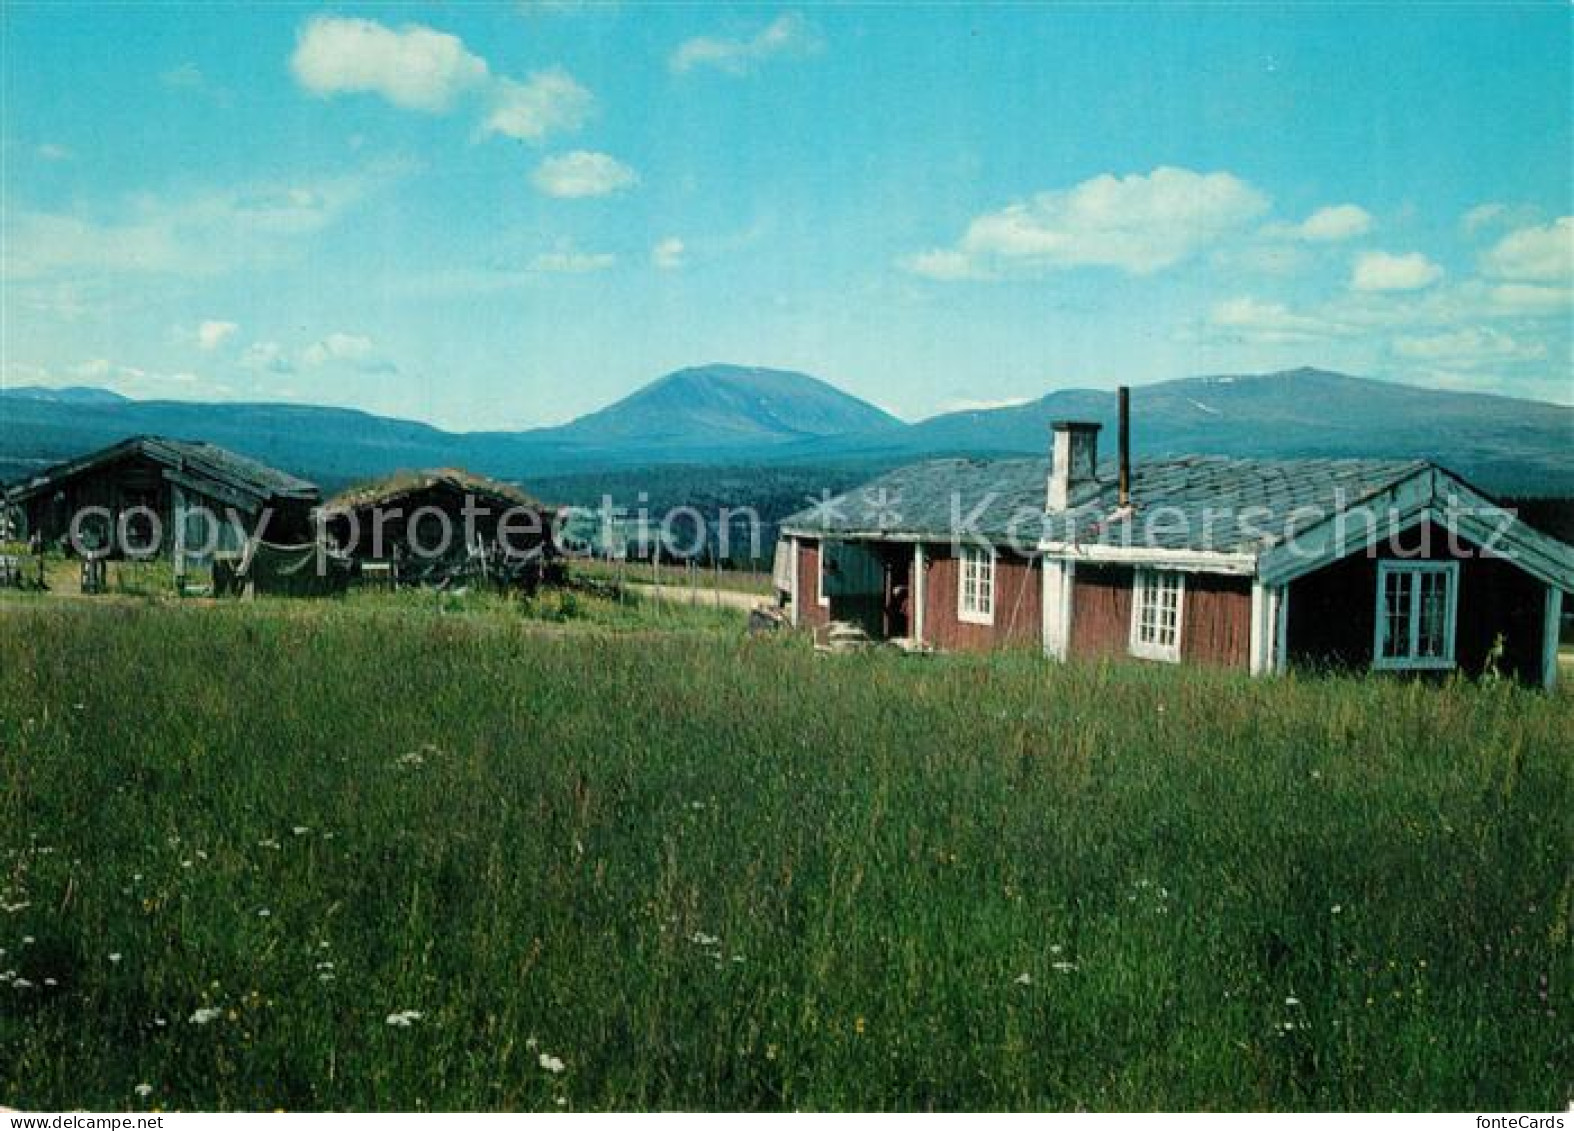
pixel 436 527
pixel 1252 564
pixel 149 496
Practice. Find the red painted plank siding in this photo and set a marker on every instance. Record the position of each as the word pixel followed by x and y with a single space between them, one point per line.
pixel 1332 610
pixel 1019 604
pixel 811 614
pixel 1216 616
pixel 1100 611
pixel 1216 620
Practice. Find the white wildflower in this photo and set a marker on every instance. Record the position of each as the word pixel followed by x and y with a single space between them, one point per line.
pixel 300 830
pixel 1064 967
pixel 1292 1000
pixel 143 1090
pixel 404 1018
pixel 531 1043
pixel 115 958
pixel 551 1063
pixel 21 984
pixel 1024 979
pixel 263 913
pixel 205 1015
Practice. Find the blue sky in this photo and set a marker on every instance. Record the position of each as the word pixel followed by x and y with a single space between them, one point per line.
pixel 503 215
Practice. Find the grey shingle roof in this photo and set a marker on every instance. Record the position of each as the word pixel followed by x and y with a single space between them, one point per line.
pixel 193 457
pixel 1207 503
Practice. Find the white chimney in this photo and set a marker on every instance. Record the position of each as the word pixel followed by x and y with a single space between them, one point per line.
pixel 1073 459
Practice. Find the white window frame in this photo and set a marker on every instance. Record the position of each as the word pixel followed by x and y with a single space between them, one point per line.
pixel 1410 661
pixel 970 557
pixel 821 597
pixel 1145 585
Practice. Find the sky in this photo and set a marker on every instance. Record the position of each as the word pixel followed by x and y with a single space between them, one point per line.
pixel 503 215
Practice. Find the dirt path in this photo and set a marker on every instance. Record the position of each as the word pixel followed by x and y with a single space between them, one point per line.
pixel 698 595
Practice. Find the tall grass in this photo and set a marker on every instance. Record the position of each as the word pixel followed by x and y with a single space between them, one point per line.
pixel 707 871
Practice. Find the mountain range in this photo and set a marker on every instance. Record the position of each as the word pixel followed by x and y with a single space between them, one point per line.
pixel 728 415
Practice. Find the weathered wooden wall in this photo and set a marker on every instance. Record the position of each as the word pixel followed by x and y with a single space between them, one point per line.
pixel 1101 611
pixel 116 488
pixel 1019 604
pixel 1216 620
pixel 1216 616
pixel 1331 618
pixel 382 530
pixel 811 614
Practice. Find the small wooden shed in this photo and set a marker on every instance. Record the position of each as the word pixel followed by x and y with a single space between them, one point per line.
pixel 149 496
pixel 439 526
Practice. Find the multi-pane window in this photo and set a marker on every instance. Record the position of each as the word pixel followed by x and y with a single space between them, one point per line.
pixel 1156 614
pixel 1415 614
pixel 976 593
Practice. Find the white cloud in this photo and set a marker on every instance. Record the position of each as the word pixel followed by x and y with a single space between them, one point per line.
pixel 414 67
pixel 1271 323
pixel 342 350
pixel 134 381
pixel 1469 347
pixel 1382 271
pixel 1482 215
pixel 213 334
pixel 546 102
pixel 1332 224
pixel 582 174
pixel 1531 299
pixel 1139 224
pixel 204 234
pixel 789 35
pixel 49 151
pixel 1542 254
pixel 668 254
pixel 268 357
pixel 189 79
pixel 356 349
pixel 417 68
pixel 567 261
pixel 944 264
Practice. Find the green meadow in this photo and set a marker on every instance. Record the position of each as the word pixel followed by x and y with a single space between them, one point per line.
pixel 415 853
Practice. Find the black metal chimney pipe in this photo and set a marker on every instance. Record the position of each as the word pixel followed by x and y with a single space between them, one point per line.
pixel 1125 446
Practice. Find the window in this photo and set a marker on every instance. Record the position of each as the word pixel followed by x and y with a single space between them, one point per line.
pixel 1156 614
pixel 822 595
pixel 975 594
pixel 1416 602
